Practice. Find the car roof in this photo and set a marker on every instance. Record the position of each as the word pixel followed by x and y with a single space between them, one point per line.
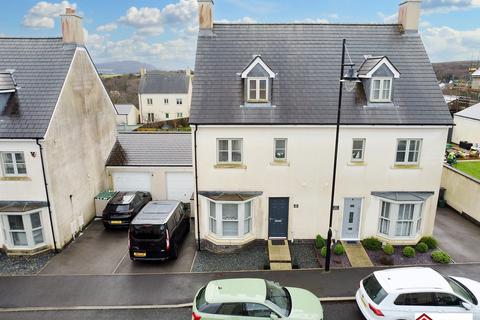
pixel 236 290
pixel 411 279
pixel 156 212
pixel 122 198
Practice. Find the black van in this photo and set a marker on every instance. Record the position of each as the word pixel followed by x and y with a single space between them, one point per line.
pixel 123 207
pixel 156 232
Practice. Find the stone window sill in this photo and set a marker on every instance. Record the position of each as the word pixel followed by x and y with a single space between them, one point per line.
pixel 357 163
pixel 406 166
pixel 284 163
pixel 15 178
pixel 229 241
pixel 230 166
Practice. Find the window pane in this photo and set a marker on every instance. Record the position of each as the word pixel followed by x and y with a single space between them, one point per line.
pixel 263 89
pixel 15 222
pixel 38 236
pixel 376 89
pixel 230 228
pixel 236 157
pixel 229 211
pixel 401 150
pixel 232 309
pixel 9 169
pixel 21 168
pixel 447 300
pixel 247 218
pixel 357 144
pixel 7 158
pixel 35 218
pixel 223 156
pixel 19 157
pixel 418 299
pixel 236 145
pixel 213 216
pixel 386 210
pixel 257 310
pixel 248 210
pixel 280 148
pixel 19 238
pixel 386 90
pixel 253 90
pixel 223 145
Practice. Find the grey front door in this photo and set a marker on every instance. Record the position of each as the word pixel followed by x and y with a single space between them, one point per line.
pixel 277 217
pixel 351 218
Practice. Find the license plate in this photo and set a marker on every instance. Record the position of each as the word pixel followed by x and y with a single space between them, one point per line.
pixel 139 254
pixel 116 222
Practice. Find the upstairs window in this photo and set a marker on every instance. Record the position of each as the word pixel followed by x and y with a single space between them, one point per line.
pixel 257 89
pixel 358 150
pixel 14 164
pixel 280 149
pixel 179 101
pixel 381 90
pixel 408 151
pixel 165 101
pixel 150 101
pixel 229 150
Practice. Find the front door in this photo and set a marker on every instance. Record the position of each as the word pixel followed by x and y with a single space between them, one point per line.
pixel 351 218
pixel 277 217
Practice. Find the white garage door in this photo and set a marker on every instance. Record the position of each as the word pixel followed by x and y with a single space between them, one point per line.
pixel 132 181
pixel 180 186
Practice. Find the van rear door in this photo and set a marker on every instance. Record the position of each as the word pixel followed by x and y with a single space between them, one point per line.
pixel 148 238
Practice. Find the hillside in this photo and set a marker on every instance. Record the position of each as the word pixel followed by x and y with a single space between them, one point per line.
pixel 123 67
pixel 122 88
pixel 447 71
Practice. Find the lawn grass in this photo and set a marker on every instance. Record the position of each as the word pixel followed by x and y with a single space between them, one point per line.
pixel 469 167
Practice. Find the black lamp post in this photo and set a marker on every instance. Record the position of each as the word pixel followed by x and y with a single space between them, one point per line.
pixel 350 79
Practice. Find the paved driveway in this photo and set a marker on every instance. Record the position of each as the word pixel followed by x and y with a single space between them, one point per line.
pixel 98 251
pixel 458 236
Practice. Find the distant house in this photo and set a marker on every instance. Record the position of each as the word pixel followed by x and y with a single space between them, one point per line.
pixel 467 125
pixel 264 110
pixel 127 114
pixel 476 80
pixel 164 95
pixel 160 163
pixel 57 128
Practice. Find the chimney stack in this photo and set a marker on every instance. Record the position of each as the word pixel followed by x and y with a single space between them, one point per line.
pixel 72 28
pixel 205 16
pixel 409 15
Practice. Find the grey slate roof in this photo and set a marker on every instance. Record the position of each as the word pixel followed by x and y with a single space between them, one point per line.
pixel 151 149
pixel 307 59
pixel 41 66
pixel 472 112
pixel 404 196
pixel 164 82
pixel 123 109
pixel 6 81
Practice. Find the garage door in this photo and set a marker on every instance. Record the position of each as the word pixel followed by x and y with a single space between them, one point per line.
pixel 132 181
pixel 180 186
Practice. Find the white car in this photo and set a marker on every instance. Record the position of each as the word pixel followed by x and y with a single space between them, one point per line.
pixel 407 293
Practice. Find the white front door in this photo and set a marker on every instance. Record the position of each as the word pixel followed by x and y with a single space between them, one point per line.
pixel 180 186
pixel 132 181
pixel 351 218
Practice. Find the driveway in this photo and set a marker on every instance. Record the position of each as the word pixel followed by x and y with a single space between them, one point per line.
pixel 457 236
pixel 99 252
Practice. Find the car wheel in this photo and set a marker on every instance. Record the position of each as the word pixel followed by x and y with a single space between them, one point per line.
pixel 174 253
pixel 188 228
pixel 106 226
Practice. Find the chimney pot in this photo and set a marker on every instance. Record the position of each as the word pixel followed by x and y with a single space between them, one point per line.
pixel 72 28
pixel 409 15
pixel 205 16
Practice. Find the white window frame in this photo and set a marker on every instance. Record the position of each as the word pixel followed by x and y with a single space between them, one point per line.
pixel 167 115
pixel 382 87
pixel 229 150
pixel 383 218
pixel 257 89
pixel 393 219
pixel 179 114
pixel 165 101
pixel 275 149
pixel 241 218
pixel 179 101
pixel 152 118
pixel 149 101
pixel 27 229
pixel 14 162
pixel 363 140
pixel 407 151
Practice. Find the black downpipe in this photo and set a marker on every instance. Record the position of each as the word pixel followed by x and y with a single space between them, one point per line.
pixel 196 187
pixel 55 249
pixel 329 236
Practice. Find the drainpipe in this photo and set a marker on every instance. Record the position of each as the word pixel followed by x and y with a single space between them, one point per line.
pixel 55 249
pixel 196 186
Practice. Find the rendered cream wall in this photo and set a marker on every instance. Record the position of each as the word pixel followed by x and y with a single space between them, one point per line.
pixel 466 130
pixel 158 108
pixel 307 178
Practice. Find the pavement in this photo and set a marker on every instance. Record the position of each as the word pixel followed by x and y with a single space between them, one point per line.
pixel 99 251
pixel 457 236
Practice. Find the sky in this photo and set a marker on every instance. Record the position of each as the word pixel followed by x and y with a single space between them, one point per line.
pixel 163 32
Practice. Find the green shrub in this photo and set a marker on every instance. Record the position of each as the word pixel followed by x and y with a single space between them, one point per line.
pixel 339 249
pixel 323 252
pixel 388 249
pixel 386 261
pixel 409 252
pixel 431 242
pixel 421 247
pixel 319 242
pixel 372 243
pixel 439 256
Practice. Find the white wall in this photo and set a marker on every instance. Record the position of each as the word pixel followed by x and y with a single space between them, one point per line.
pixel 307 177
pixel 465 130
pixel 159 108
pixel 130 119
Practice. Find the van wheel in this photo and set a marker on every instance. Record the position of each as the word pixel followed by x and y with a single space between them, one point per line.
pixel 174 253
pixel 188 228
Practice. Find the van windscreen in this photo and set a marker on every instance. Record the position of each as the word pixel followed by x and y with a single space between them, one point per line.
pixel 147 231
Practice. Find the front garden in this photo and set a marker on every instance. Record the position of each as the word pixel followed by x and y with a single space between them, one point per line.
pixel 471 168
pixel 424 252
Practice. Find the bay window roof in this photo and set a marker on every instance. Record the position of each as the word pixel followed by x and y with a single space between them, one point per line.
pixel 230 196
pixel 403 196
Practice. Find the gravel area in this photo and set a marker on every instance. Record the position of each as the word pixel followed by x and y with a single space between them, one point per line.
pixel 253 257
pixel 21 265
pixel 303 255
pixel 398 259
pixel 337 262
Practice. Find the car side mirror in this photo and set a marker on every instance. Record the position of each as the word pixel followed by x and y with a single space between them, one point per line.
pixel 273 316
pixel 466 306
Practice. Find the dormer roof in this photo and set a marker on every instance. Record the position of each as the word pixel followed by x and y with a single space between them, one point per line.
pixel 257 61
pixel 372 64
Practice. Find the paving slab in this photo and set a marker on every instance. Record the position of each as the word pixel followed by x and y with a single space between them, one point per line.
pixel 279 252
pixel 357 255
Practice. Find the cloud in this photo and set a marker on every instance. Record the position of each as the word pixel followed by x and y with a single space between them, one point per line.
pixel 386 18
pixel 445 6
pixel 109 27
pixel 241 20
pixel 312 20
pixel 445 43
pixel 43 14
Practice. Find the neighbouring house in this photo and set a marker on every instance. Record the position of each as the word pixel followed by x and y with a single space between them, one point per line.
pixel 467 125
pixel 476 79
pixel 264 131
pixel 127 114
pixel 57 128
pixel 160 163
pixel 164 95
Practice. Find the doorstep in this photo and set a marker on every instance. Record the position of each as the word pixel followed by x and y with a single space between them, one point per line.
pixel 357 255
pixel 279 255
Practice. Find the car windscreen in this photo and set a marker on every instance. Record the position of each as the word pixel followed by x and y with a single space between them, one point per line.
pixel 202 304
pixel 374 289
pixel 279 296
pixel 461 290
pixel 147 232
pixel 117 207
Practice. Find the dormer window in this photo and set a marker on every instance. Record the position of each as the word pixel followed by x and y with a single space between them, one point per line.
pixel 381 89
pixel 258 79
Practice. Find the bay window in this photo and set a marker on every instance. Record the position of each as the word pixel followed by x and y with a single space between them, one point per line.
pixel 23 230
pixel 230 219
pixel 400 220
